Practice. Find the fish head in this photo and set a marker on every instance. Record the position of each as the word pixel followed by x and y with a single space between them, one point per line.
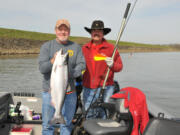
pixel 62 59
pixel 66 58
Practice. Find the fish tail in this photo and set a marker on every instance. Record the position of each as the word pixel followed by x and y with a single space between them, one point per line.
pixel 57 120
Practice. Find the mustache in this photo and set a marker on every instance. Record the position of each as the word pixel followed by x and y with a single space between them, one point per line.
pixel 96 35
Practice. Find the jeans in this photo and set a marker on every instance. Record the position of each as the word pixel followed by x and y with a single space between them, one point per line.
pixel 68 112
pixel 88 95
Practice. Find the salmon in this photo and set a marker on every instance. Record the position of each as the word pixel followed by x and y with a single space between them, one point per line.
pixel 58 86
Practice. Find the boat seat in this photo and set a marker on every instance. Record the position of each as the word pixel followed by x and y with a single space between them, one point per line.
pixel 121 126
pixel 105 127
pixel 161 126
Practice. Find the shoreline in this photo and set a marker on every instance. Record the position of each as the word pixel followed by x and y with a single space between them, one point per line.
pixel 19 42
pixel 31 53
pixel 15 46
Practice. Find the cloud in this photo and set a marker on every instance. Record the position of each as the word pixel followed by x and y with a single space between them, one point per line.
pixel 149 23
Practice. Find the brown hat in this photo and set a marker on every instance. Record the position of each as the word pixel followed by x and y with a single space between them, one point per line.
pixel 62 21
pixel 98 25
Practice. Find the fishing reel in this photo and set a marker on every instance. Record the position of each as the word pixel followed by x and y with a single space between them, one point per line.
pixel 16 116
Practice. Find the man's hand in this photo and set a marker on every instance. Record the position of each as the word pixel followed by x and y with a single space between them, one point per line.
pixel 53 59
pixel 109 61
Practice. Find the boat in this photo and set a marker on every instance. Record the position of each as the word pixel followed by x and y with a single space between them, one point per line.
pixel 161 123
pixel 14 123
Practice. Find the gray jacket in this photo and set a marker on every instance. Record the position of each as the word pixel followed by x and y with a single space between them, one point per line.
pixel 76 62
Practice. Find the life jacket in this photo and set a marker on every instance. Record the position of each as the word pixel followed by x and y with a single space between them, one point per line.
pixel 135 100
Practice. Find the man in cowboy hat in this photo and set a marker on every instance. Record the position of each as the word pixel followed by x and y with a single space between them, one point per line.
pixel 96 70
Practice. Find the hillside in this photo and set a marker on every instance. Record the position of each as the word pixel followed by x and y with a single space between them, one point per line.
pixel 26 42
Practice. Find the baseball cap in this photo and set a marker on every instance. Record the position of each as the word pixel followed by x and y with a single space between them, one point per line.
pixel 62 21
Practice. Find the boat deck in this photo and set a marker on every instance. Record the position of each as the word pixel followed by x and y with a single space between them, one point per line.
pixel 34 104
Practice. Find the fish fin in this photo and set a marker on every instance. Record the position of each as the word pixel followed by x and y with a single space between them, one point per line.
pixel 68 87
pixel 66 54
pixel 57 120
pixel 55 68
pixel 52 103
pixel 61 51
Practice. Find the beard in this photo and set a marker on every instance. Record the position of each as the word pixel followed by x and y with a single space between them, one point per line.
pixel 62 38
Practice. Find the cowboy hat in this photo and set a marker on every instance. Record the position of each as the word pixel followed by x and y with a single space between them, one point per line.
pixel 98 25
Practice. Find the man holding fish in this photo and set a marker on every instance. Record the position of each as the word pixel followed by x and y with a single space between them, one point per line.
pixel 98 53
pixel 60 62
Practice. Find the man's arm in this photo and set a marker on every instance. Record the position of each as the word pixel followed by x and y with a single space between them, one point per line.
pixel 80 64
pixel 118 65
pixel 45 64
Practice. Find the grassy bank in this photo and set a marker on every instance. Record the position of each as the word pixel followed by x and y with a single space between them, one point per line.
pixel 26 42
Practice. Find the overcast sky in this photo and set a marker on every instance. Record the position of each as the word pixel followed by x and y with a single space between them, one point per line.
pixel 152 21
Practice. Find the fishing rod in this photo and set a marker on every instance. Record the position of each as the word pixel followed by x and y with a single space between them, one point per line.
pixel 123 25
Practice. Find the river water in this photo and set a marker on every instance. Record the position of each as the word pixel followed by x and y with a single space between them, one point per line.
pixel 156 74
